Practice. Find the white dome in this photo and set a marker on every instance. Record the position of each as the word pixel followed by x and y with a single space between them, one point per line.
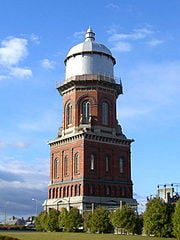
pixel 88 46
pixel 89 57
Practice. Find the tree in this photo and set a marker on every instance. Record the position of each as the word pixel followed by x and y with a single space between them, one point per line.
pixel 87 221
pixel 62 218
pixel 158 218
pixel 70 221
pixel 74 220
pixel 176 220
pixel 126 220
pixel 98 221
pixel 52 222
pixel 41 221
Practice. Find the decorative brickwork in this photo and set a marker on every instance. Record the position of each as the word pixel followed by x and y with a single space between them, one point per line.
pixel 90 160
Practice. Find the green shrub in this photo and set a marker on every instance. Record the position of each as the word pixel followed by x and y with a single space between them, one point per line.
pixel 7 238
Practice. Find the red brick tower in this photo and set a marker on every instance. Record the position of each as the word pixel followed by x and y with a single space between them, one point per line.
pixel 90 160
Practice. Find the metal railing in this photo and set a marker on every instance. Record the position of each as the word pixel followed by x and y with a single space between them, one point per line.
pixel 86 77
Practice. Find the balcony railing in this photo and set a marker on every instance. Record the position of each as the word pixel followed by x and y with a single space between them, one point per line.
pixel 99 77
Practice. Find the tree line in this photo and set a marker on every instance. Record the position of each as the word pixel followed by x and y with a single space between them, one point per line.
pixel 160 219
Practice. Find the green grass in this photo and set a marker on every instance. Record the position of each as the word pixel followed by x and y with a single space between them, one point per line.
pixel 72 236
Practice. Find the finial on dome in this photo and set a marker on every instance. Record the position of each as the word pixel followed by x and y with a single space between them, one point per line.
pixel 90 35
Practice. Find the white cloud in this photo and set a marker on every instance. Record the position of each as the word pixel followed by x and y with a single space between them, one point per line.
pixel 21 72
pixel 48 64
pixel 123 42
pixel 20 144
pixel 20 181
pixel 155 42
pixel 136 34
pixel 79 35
pixel 16 144
pixel 26 175
pixel 35 39
pixel 122 47
pixel 12 51
pixel 2 144
pixel 112 5
pixel 3 77
pixel 154 87
pixel 47 121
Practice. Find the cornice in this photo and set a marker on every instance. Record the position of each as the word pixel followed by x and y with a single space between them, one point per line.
pixel 90 136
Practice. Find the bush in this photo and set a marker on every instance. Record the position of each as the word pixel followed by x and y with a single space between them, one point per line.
pixel 41 221
pixel 158 218
pixel 7 238
pixel 52 220
pixel 70 221
pixel 176 220
pixel 126 220
pixel 98 221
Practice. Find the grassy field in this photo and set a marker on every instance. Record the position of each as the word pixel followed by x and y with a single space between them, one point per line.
pixel 73 236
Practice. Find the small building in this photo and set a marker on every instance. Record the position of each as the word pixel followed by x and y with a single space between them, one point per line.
pixel 90 159
pixel 170 193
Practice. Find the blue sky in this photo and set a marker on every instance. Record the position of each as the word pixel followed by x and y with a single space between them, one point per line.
pixel 35 37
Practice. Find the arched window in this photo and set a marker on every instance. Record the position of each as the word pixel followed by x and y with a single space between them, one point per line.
pixel 121 165
pixel 53 194
pixel 72 187
pixel 50 195
pixel 76 190
pixel 107 164
pixel 92 162
pixel 79 189
pixel 57 190
pixel 91 189
pixel 105 113
pixel 76 163
pixel 56 168
pixel 69 114
pixel 108 190
pixel 65 165
pixel 60 192
pixel 85 112
pixel 68 191
pixel 64 191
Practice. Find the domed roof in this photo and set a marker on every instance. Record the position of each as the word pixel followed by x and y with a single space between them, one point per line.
pixel 89 45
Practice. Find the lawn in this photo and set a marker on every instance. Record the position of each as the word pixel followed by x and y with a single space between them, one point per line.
pixel 72 236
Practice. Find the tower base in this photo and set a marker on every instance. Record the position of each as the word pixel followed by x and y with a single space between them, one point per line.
pixel 88 203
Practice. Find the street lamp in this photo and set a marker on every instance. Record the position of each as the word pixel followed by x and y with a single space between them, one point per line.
pixel 36 202
pixel 5 212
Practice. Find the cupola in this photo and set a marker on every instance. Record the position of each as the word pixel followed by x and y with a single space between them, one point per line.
pixel 89 57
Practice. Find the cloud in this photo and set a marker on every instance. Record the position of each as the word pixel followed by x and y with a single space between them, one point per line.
pixel 155 86
pixel 3 77
pixel 136 34
pixel 16 144
pixel 155 42
pixel 79 35
pixel 2 144
pixel 21 72
pixel 20 181
pixel 112 5
pixel 122 47
pixel 124 42
pixel 35 39
pixel 20 144
pixel 48 64
pixel 10 177
pixel 12 51
pixel 45 122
